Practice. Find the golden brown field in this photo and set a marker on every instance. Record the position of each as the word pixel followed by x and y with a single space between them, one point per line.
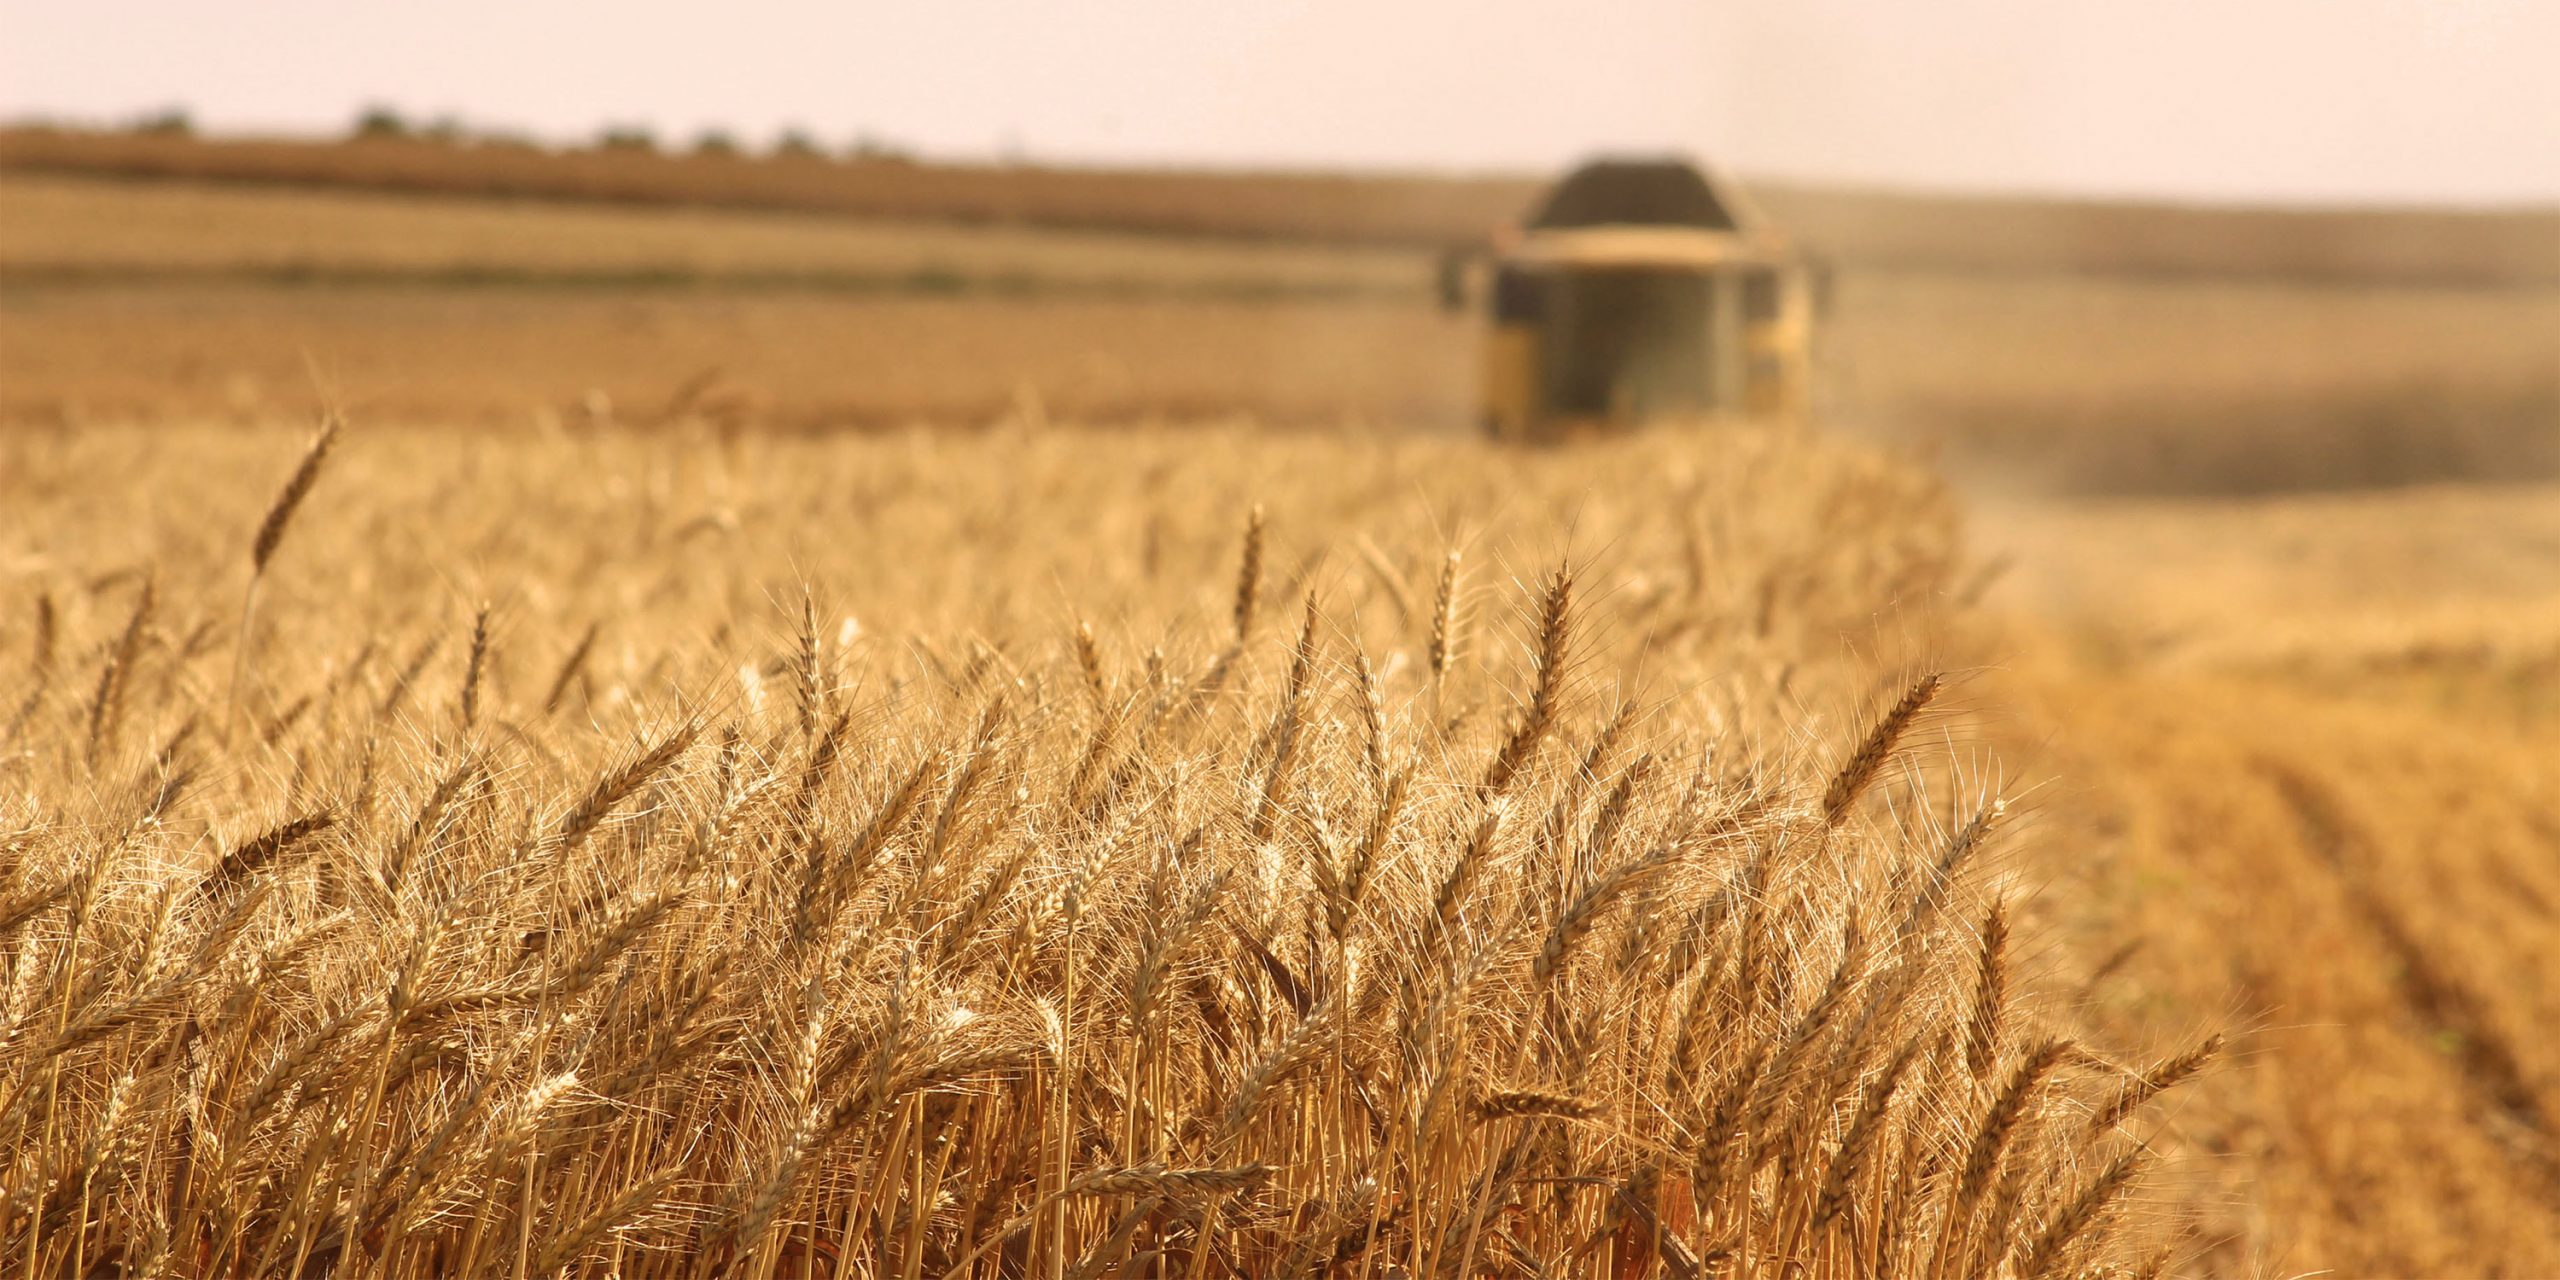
pixel 1017 853
pixel 612 824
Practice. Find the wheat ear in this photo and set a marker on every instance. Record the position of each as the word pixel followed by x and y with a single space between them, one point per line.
pixel 1861 767
pixel 270 536
pixel 1249 575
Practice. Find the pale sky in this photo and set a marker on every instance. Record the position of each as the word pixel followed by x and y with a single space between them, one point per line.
pixel 2404 101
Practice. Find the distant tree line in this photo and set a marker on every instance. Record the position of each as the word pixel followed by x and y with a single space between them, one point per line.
pixel 378 122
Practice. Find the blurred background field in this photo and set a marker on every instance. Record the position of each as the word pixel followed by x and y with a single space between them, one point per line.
pixel 2072 345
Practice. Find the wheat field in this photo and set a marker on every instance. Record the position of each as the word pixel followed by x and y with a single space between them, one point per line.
pixel 1046 852
pixel 606 818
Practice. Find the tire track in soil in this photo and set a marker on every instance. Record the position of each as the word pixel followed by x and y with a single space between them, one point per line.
pixel 2502 1101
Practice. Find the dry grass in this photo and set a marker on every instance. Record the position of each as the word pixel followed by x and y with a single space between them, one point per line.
pixel 948 855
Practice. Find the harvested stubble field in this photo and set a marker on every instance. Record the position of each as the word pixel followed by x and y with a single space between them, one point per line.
pixel 2306 753
pixel 1047 853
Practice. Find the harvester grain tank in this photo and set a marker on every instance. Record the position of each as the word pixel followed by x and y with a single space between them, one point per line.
pixel 1643 289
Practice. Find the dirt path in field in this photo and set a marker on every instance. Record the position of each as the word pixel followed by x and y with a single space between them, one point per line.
pixel 2307 791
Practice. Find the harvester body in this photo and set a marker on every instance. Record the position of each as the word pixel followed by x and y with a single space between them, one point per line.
pixel 1642 289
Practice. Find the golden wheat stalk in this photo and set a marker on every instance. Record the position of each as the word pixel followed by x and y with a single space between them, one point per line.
pixel 1249 575
pixel 1554 644
pixel 2043 1256
pixel 2000 1122
pixel 270 536
pixel 106 705
pixel 1860 769
pixel 474 666
pixel 1990 992
pixel 2160 1077
pixel 1513 1104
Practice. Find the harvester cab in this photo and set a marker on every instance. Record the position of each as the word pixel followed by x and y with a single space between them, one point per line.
pixel 1642 289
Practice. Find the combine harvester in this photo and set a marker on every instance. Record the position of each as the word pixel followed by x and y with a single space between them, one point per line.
pixel 1642 289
